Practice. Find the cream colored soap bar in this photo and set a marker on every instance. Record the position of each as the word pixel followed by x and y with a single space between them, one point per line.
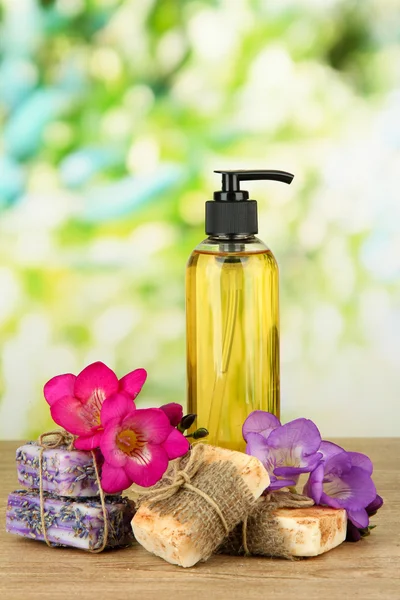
pixel 311 531
pixel 189 530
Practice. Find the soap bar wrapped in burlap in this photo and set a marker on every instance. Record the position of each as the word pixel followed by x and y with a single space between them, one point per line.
pixel 285 525
pixel 202 497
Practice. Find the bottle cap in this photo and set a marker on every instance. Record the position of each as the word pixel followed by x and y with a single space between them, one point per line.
pixel 231 212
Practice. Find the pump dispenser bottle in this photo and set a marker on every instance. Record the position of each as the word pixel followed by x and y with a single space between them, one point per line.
pixel 232 315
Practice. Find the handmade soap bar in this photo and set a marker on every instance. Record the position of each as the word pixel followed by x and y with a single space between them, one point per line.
pixel 311 531
pixel 183 526
pixel 65 472
pixel 70 522
pixel 286 532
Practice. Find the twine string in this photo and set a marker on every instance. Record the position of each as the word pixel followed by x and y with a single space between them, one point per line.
pixel 60 437
pixel 41 500
pixel 244 536
pixel 181 479
pixel 103 506
pixel 211 502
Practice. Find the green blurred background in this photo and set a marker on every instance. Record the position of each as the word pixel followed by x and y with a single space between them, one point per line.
pixel 114 115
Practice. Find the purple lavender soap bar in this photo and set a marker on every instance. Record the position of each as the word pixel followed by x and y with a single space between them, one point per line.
pixel 70 522
pixel 65 472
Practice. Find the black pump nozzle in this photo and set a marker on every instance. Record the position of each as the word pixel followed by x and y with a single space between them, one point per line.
pixel 232 213
pixel 231 179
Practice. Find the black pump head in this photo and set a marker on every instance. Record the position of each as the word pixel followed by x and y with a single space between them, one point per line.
pixel 232 213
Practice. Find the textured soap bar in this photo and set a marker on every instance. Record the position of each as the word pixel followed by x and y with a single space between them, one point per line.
pixel 287 532
pixel 65 472
pixel 70 522
pixel 185 529
pixel 311 531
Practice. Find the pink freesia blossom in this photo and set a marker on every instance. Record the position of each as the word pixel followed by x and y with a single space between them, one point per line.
pixel 174 412
pixel 136 444
pixel 76 401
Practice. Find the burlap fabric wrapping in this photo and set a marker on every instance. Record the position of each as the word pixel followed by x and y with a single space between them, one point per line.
pixel 211 498
pixel 259 534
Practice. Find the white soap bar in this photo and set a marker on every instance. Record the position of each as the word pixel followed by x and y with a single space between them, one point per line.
pixel 311 531
pixel 167 537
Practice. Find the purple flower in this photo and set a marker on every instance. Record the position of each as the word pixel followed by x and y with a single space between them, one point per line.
pixel 375 505
pixel 260 422
pixel 286 451
pixel 337 478
pixel 343 480
pixel 355 533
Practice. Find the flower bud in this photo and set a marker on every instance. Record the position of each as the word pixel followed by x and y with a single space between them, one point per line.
pixel 186 422
pixel 200 433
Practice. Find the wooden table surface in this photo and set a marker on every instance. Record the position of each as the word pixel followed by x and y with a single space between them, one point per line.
pixel 366 570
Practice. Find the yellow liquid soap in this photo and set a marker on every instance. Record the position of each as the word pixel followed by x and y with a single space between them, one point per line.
pixel 232 312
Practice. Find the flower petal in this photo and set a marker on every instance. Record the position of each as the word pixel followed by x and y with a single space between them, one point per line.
pixel 374 506
pixel 260 422
pixel 309 464
pixel 96 376
pixel 352 533
pixel 108 445
pixel 277 484
pixel 359 517
pixel 89 443
pixel 148 465
pixel 151 423
pixel 69 413
pixel 133 382
pixel 116 405
pixel 58 387
pixel 329 449
pixel 174 412
pixel 337 464
pixel 353 489
pixel 114 479
pixel 301 437
pixel 313 487
pixel 362 461
pixel 176 444
pixel 257 446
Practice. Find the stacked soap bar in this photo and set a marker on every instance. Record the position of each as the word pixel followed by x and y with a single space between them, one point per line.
pixel 311 531
pixel 70 522
pixel 73 514
pixel 286 532
pixel 64 472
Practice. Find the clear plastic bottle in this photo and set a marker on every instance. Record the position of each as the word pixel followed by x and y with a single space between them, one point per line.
pixel 232 316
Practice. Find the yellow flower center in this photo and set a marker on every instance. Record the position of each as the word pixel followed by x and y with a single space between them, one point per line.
pixel 128 442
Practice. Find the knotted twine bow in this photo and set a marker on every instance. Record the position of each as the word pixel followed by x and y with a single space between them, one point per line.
pixel 181 479
pixel 58 438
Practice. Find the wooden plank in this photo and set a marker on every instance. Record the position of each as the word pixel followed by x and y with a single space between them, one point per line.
pixel 367 570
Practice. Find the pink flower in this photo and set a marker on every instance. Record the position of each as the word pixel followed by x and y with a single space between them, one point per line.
pixel 174 412
pixel 76 401
pixel 136 444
